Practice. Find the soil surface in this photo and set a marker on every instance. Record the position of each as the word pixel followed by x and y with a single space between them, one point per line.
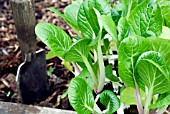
pixel 11 56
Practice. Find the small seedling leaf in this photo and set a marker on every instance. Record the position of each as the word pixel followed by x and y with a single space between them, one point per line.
pixel 110 101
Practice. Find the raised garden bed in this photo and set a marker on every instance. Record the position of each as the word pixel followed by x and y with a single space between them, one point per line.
pixel 13 108
pixel 103 82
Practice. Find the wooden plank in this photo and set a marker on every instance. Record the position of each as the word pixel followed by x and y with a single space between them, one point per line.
pixel 13 108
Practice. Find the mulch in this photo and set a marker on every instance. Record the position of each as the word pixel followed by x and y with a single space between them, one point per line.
pixel 11 56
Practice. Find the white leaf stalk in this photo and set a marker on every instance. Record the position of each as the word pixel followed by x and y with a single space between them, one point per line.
pixel 148 100
pixel 90 69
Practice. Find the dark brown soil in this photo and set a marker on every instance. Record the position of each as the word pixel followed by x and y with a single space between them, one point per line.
pixel 11 57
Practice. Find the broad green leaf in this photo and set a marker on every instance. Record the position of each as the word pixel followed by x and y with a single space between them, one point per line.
pixel 129 51
pixel 116 15
pixel 102 6
pixel 118 7
pixel 165 7
pixel 146 21
pixel 50 55
pixel 71 12
pixel 83 20
pixel 94 20
pixel 161 103
pixel 163 47
pixel 123 29
pixel 77 51
pixel 128 96
pixel 67 19
pixel 166 14
pixel 84 74
pixel 80 96
pixel 87 19
pixel 165 33
pixel 165 101
pixel 54 37
pixel 128 6
pixel 109 74
pixel 161 96
pixel 110 27
pixel 110 101
pixel 152 72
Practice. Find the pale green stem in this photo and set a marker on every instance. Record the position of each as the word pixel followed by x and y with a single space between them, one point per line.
pixel 101 68
pixel 96 109
pixel 137 93
pixel 148 100
pixel 95 83
pixel 162 110
pixel 95 55
pixel 76 68
pixel 138 99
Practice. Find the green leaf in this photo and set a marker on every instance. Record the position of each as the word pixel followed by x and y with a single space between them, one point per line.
pixel 58 13
pixel 77 51
pixel 67 65
pixel 50 55
pixel 110 27
pixel 80 96
pixel 50 70
pixel 146 21
pixel 160 2
pixel 152 72
pixel 84 74
pixel 166 15
pixel 94 20
pixel 123 29
pixel 165 101
pixel 83 20
pixel 70 21
pixel 54 37
pixel 64 94
pixel 129 51
pixel 87 17
pixel 161 96
pixel 162 46
pixel 105 46
pixel 128 6
pixel 165 33
pixel 165 7
pixel 109 74
pixel 110 101
pixel 115 15
pixel 128 96
pixel 71 12
pixel 102 6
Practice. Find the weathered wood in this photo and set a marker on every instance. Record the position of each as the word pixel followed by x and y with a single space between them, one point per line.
pixel 24 19
pixel 13 108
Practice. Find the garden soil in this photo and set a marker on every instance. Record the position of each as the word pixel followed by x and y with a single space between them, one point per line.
pixel 11 57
